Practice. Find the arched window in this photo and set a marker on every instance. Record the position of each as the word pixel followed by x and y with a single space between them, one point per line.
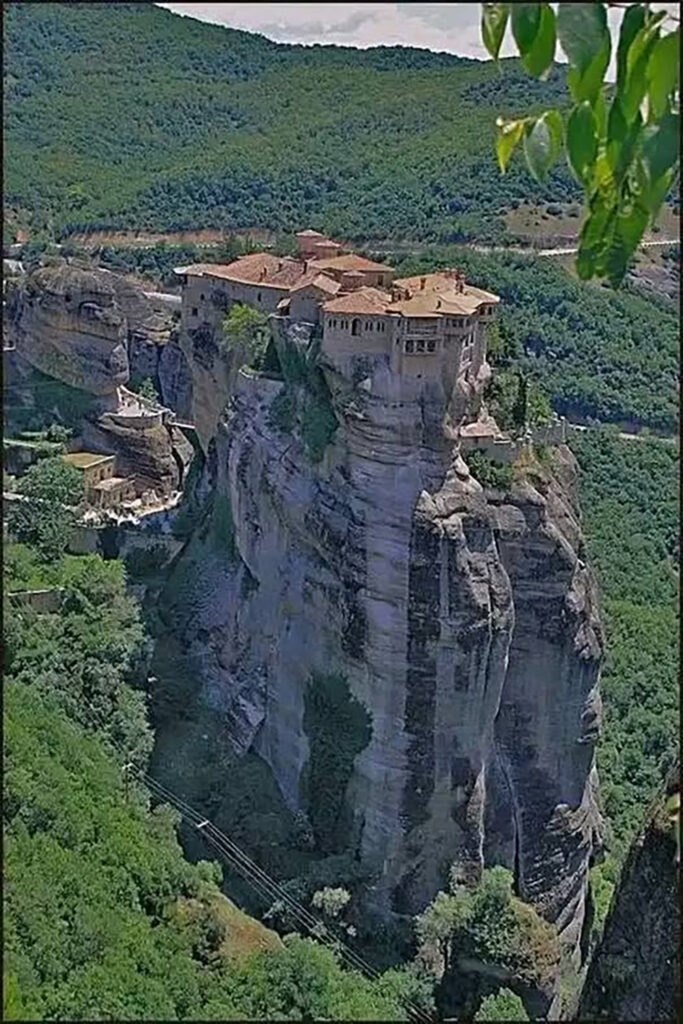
pixel 355 326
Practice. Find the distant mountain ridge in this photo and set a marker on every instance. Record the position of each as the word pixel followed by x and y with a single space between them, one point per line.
pixel 128 116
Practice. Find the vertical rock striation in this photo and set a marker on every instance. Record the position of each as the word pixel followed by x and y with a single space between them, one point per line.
pixel 463 620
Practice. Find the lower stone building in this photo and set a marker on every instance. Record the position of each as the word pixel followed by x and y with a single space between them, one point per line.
pixel 103 489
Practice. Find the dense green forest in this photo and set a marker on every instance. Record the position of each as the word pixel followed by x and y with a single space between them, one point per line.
pixel 628 492
pixel 630 510
pixel 131 117
pixel 104 918
pixel 600 354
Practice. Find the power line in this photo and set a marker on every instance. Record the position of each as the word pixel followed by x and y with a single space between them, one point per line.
pixel 260 880
pixel 264 884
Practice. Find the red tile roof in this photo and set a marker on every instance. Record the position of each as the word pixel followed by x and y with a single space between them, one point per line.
pixel 350 262
pixel 316 279
pixel 364 301
pixel 260 268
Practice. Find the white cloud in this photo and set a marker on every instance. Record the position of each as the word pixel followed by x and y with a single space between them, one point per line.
pixel 453 27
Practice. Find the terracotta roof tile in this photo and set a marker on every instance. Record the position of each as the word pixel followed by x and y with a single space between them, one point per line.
pixel 260 268
pixel 365 301
pixel 350 262
pixel 318 280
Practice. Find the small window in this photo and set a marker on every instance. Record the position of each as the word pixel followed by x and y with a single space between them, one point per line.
pixel 202 296
pixel 431 346
pixel 409 346
pixel 420 346
pixel 258 296
pixel 355 326
pixel 195 311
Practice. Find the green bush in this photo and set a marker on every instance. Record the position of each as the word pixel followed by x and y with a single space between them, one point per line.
pixel 492 925
pixel 46 519
pixel 318 424
pixel 487 472
pixel 245 334
pixel 504 1005
pixel 338 727
pixel 146 561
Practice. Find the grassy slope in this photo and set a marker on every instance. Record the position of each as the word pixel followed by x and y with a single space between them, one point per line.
pixel 140 118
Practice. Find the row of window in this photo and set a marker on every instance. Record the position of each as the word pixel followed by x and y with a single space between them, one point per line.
pixel 355 325
pixel 420 345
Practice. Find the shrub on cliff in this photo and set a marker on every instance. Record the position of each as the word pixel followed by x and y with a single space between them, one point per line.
pixel 489 926
pixel 487 472
pixel 338 727
pixel 46 519
pixel 504 1005
pixel 245 333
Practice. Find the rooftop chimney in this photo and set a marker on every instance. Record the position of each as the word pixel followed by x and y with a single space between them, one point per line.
pixel 423 281
pixel 264 273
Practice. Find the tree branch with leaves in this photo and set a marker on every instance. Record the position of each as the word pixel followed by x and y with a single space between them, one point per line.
pixel 621 138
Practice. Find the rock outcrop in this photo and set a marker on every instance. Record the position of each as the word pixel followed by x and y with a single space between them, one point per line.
pixel 66 322
pixel 463 621
pixel 635 971
pixel 94 330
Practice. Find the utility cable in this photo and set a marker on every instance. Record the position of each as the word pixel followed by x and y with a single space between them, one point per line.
pixel 261 882
pixel 268 887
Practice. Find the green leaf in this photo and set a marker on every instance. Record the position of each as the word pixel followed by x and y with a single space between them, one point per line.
pixel 509 136
pixel 526 21
pixel 629 227
pixel 632 22
pixel 582 141
pixel 661 146
pixel 538 60
pixel 637 60
pixel 663 72
pixel 600 112
pixel 582 29
pixel 587 84
pixel 643 40
pixel 553 119
pixel 596 234
pixel 494 19
pixel 541 145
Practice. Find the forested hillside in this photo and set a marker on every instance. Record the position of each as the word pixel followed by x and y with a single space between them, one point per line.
pixel 128 116
pixel 104 918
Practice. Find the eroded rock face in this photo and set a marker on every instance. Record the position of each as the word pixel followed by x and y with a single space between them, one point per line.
pixel 93 330
pixel 464 622
pixel 635 971
pixel 67 323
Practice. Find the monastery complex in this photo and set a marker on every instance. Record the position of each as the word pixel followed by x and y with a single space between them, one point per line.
pixel 420 326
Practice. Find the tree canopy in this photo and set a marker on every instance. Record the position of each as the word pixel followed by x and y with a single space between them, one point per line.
pixel 52 490
pixel 149 121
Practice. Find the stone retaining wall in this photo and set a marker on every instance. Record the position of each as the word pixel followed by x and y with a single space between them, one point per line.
pixel 506 449
pixel 43 602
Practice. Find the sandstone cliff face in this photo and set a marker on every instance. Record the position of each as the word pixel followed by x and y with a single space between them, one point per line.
pixel 66 322
pixel 463 621
pixel 93 330
pixel 635 971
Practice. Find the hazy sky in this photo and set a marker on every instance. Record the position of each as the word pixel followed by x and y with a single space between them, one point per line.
pixel 451 27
